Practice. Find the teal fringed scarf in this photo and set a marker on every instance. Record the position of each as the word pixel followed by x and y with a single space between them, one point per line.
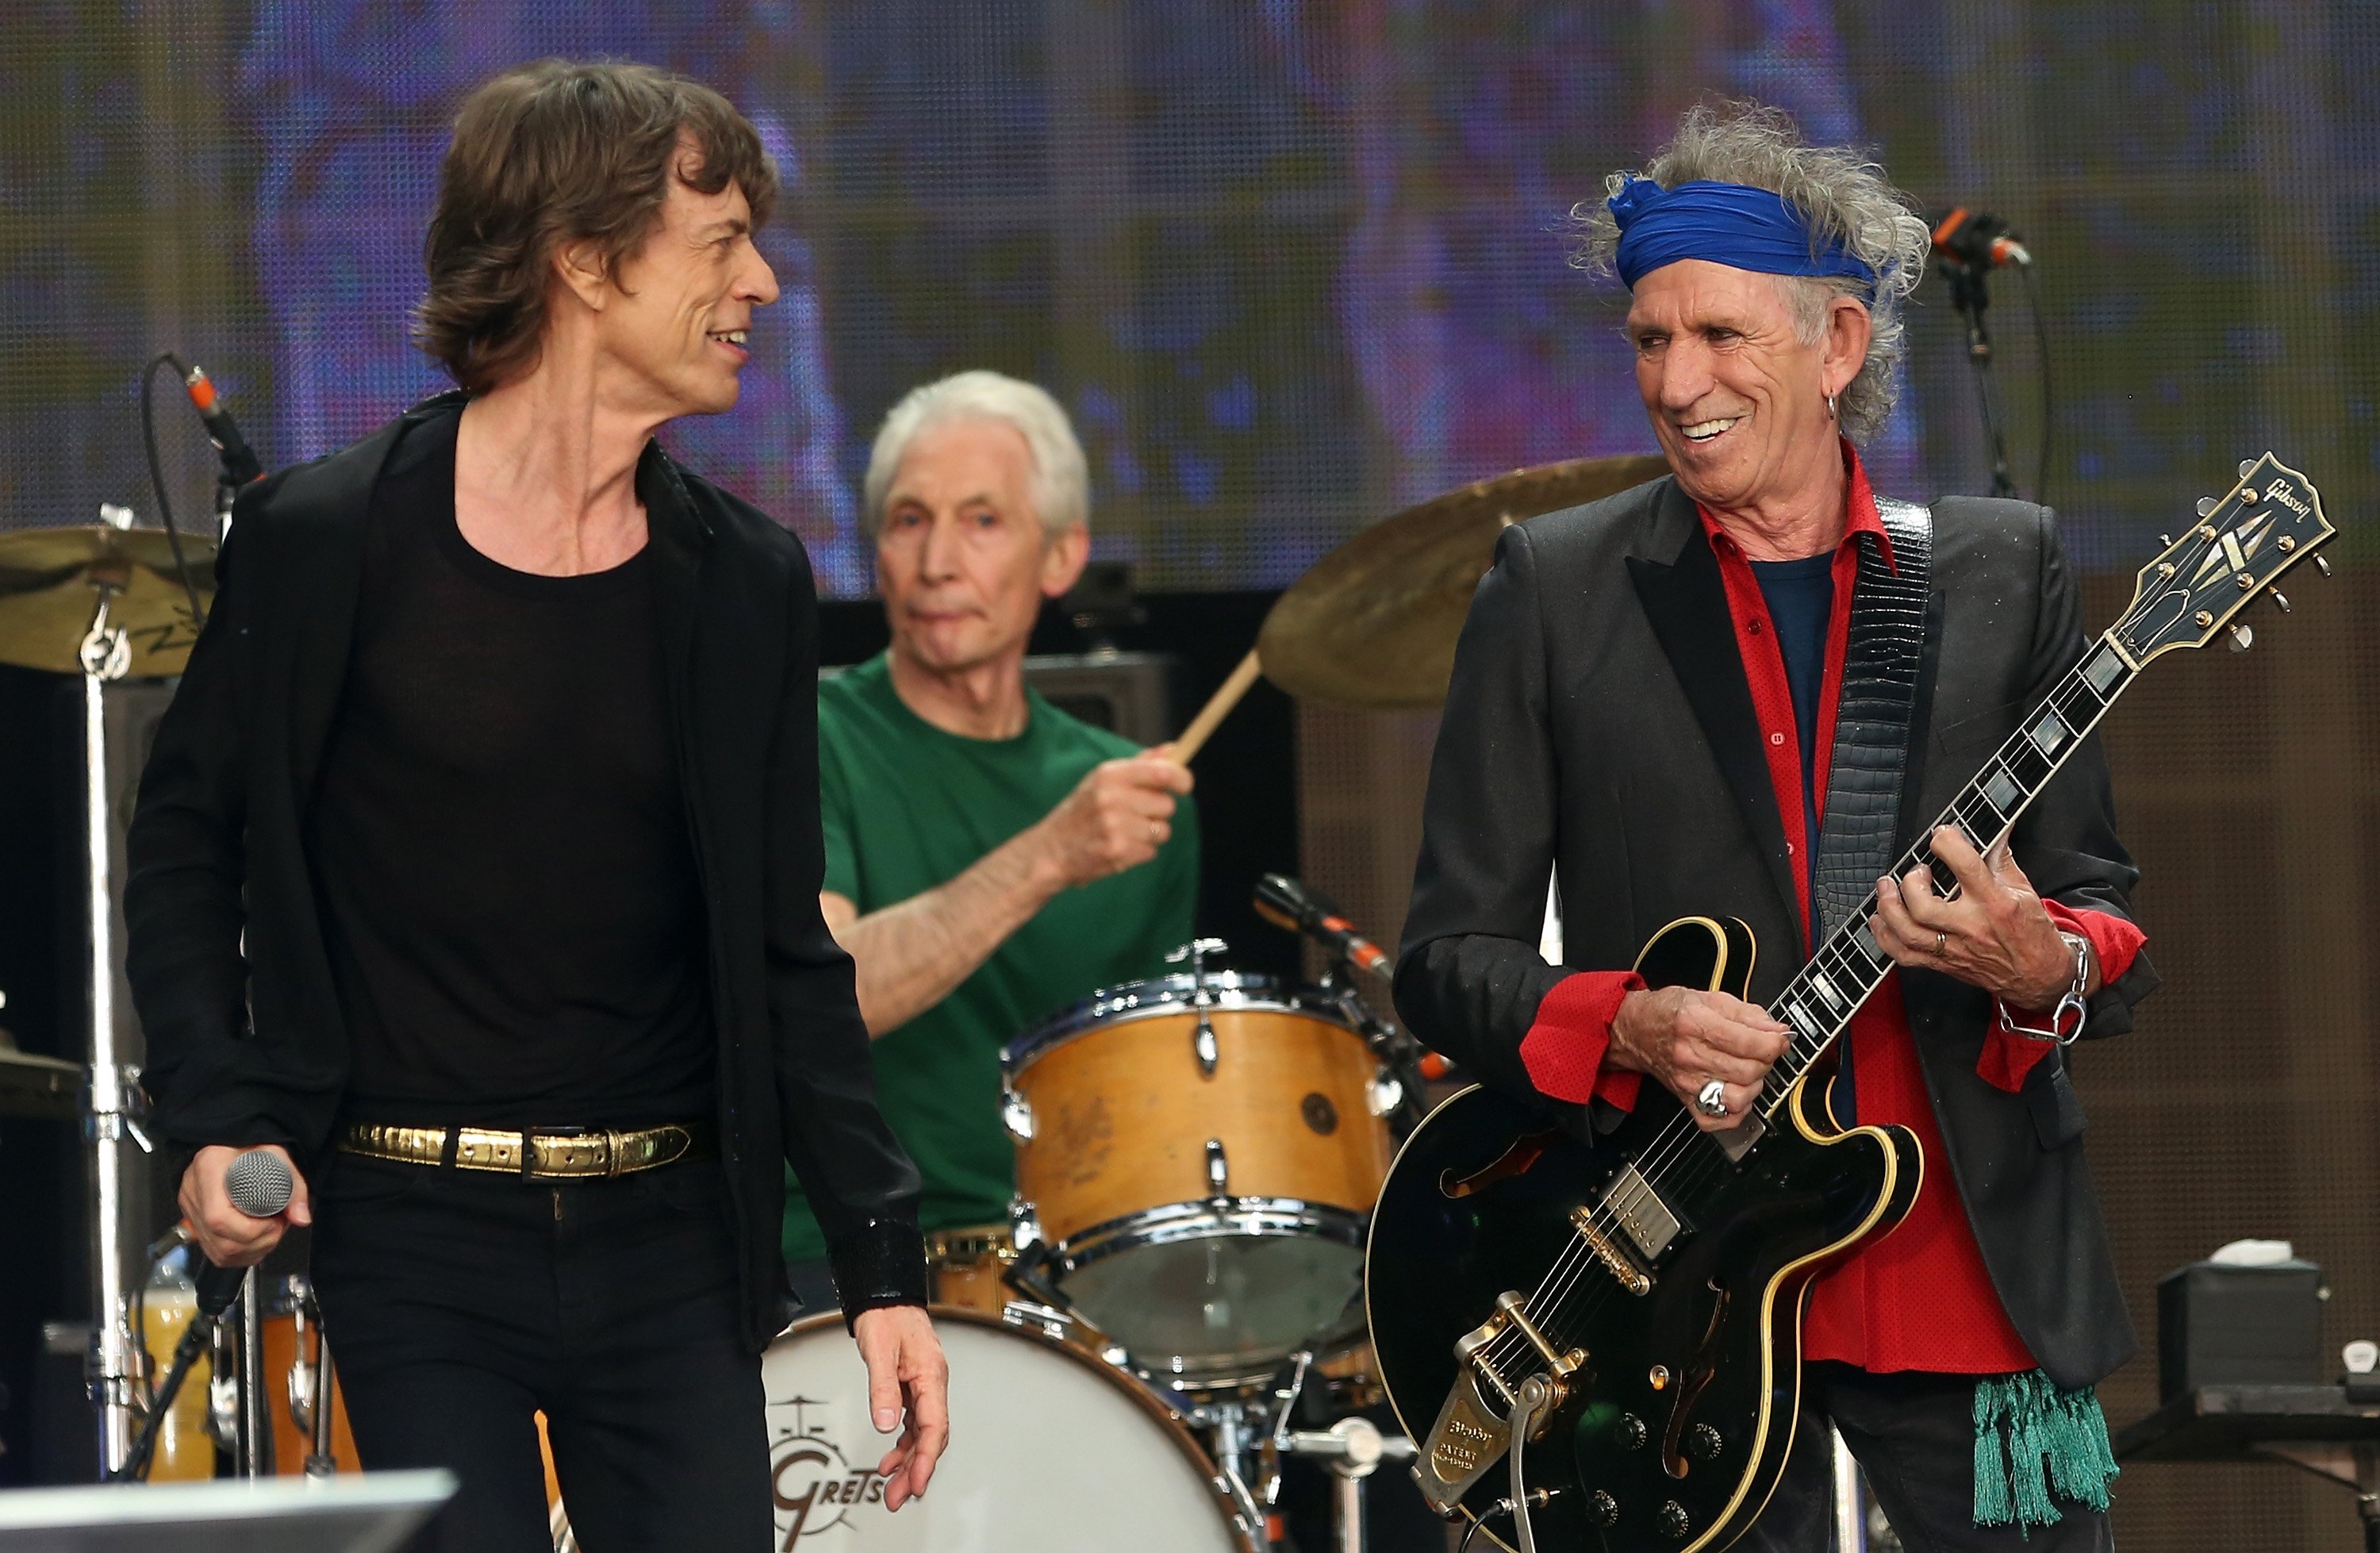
pixel 2023 1421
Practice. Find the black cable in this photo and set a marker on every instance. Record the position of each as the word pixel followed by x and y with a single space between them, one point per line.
pixel 157 479
pixel 2041 350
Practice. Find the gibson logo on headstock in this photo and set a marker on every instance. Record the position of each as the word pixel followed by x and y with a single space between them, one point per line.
pixel 2280 491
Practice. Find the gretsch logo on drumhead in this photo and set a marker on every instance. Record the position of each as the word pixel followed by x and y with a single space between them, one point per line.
pixel 815 1488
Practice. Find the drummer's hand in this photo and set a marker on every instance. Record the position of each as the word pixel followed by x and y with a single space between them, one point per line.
pixel 906 1374
pixel 1686 1038
pixel 1116 818
pixel 228 1237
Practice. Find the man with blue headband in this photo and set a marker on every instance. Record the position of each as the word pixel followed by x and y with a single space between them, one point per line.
pixel 1742 692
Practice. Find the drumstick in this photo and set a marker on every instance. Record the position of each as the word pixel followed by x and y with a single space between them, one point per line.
pixel 1218 707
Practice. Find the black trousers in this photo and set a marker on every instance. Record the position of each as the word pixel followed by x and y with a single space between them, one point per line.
pixel 460 1304
pixel 1914 1436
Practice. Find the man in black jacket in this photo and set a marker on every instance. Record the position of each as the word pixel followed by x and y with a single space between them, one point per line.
pixel 1649 699
pixel 476 870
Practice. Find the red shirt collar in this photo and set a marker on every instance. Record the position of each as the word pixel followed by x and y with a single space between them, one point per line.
pixel 1859 503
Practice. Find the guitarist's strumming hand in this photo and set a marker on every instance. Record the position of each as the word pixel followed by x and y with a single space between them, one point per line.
pixel 1686 1038
pixel 1995 934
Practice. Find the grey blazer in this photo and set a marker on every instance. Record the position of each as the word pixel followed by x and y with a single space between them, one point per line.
pixel 1600 718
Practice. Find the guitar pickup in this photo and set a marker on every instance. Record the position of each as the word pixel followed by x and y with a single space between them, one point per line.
pixel 1474 1430
pixel 1641 1212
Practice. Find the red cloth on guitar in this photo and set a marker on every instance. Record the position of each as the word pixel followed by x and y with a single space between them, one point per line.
pixel 1920 1298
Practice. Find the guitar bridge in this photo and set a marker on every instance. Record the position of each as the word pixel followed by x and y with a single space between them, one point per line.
pixel 1474 1430
pixel 1614 1257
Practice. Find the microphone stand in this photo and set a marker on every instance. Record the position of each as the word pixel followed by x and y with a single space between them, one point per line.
pixel 1971 297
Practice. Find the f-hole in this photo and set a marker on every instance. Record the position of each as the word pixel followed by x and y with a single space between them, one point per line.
pixel 1699 1371
pixel 1525 1151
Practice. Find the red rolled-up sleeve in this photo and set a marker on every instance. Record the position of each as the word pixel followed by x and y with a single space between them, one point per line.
pixel 1565 1047
pixel 2005 1058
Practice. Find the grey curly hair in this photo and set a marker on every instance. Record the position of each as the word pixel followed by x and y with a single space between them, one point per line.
pixel 1846 197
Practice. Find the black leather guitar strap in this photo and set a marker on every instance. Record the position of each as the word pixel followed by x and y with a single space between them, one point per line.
pixel 1881 659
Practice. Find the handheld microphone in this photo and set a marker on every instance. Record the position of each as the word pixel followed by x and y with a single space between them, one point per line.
pixel 240 464
pixel 1978 239
pixel 260 1186
pixel 1284 902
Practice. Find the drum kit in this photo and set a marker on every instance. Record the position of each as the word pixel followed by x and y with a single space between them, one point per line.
pixel 1196 1154
pixel 1197 1159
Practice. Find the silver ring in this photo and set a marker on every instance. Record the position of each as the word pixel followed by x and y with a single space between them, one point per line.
pixel 1941 942
pixel 1711 1100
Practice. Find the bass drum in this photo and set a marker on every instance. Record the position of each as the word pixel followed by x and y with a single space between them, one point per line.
pixel 1051 1451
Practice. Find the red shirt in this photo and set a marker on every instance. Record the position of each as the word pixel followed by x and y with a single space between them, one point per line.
pixel 1920 1298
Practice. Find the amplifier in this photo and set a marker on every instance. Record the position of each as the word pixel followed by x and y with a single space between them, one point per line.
pixel 2224 1323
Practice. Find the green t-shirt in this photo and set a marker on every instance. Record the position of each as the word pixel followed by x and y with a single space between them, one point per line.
pixel 906 807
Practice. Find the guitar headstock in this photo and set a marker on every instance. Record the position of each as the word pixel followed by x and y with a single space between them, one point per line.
pixel 2234 551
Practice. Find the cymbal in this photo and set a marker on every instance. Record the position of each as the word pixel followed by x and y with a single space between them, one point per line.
pixel 37 1086
pixel 50 584
pixel 1374 622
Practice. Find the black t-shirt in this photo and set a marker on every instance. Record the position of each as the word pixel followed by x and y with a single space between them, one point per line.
pixel 1801 599
pixel 501 847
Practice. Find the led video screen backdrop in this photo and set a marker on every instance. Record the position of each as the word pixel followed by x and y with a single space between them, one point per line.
pixel 1290 265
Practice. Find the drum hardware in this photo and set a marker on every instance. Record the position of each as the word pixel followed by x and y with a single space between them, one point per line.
pixel 1202 1039
pixel 309 1381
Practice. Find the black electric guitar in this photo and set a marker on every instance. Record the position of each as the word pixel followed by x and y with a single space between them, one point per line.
pixel 1607 1336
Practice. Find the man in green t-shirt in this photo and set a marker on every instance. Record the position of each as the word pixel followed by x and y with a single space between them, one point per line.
pixel 990 860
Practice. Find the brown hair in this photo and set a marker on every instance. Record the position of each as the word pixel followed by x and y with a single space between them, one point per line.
pixel 558 152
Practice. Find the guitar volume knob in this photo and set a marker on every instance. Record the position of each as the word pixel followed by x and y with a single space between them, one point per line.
pixel 1603 1509
pixel 1672 1519
pixel 1703 1443
pixel 1630 1432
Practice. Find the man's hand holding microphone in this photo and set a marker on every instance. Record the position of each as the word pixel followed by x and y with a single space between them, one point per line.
pixel 238 1203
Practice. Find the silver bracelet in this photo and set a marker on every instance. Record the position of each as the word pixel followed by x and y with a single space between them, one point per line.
pixel 2071 1001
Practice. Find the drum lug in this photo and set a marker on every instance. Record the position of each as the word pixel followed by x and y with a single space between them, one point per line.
pixel 1219 1171
pixel 1016 1114
pixel 1384 1094
pixel 1202 1039
pixel 1023 1223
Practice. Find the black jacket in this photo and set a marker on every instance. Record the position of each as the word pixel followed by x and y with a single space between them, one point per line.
pixel 247 1041
pixel 1599 719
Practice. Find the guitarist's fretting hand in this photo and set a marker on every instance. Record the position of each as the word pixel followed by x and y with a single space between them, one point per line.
pixel 1686 1038
pixel 1997 935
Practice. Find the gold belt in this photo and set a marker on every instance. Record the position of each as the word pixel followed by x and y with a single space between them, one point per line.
pixel 533 1156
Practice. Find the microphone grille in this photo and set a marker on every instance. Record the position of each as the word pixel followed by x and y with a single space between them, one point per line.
pixel 260 1184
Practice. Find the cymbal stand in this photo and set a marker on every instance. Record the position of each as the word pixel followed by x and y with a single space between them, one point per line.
pixel 119 1365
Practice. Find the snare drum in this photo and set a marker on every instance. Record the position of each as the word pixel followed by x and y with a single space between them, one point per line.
pixel 1201 1153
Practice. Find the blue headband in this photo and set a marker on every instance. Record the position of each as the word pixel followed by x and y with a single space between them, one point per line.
pixel 1726 223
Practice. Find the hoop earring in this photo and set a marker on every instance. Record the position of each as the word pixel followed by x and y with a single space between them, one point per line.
pixel 1830 409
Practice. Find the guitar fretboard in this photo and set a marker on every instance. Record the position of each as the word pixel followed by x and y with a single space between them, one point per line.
pixel 1818 1003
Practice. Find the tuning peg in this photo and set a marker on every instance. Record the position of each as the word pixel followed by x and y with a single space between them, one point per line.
pixel 2282 600
pixel 2206 506
pixel 2242 638
pixel 2245 465
pixel 2321 565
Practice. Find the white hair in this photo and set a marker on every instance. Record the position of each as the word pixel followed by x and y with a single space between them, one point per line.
pixel 1060 487
pixel 1843 195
